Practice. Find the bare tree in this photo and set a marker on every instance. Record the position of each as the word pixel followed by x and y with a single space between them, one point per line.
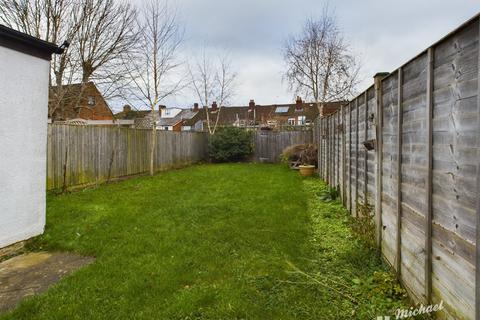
pixel 152 66
pixel 319 62
pixel 100 31
pixel 107 31
pixel 213 80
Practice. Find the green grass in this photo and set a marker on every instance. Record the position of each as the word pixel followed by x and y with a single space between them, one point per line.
pixel 236 241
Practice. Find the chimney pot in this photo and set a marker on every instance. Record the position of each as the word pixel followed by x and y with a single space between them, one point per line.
pixel 251 104
pixel 298 103
pixel 214 106
pixel 195 107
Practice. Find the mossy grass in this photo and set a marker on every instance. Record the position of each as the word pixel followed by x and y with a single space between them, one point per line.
pixel 229 241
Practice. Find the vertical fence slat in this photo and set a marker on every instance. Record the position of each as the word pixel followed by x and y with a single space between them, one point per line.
pixel 357 123
pixel 335 154
pixel 330 131
pixel 429 213
pixel 344 173
pixel 325 151
pixel 335 162
pixel 398 253
pixel 333 149
pixel 328 153
pixel 477 259
pixel 318 128
pixel 365 151
pixel 350 157
pixel 337 130
pixel 378 159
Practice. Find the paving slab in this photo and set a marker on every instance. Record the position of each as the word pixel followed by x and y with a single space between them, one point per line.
pixel 32 273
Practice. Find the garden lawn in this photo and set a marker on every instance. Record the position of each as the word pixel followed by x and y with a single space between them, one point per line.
pixel 233 241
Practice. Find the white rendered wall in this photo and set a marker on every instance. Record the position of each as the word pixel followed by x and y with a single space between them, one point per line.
pixel 23 137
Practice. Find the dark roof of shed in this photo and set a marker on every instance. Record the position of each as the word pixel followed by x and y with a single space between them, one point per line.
pixel 25 43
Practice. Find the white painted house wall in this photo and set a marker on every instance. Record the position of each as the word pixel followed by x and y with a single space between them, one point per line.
pixel 23 138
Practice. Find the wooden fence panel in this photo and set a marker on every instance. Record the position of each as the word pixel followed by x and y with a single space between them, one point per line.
pixel 455 125
pixel 361 150
pixel 82 155
pixel 354 155
pixel 424 174
pixel 339 150
pixel 388 175
pixel 270 144
pixel 414 174
pixel 371 135
pixel 348 154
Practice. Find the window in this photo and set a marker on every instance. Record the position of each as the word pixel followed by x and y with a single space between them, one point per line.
pixel 301 120
pixel 91 100
pixel 291 121
pixel 165 128
pixel 281 110
pixel 167 112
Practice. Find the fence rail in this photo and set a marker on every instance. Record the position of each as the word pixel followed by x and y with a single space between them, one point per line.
pixel 82 155
pixel 423 175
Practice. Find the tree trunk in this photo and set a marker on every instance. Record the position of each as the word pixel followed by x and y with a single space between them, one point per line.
pixel 319 107
pixel 152 148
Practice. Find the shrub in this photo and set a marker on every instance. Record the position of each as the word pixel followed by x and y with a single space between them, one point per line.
pixel 230 144
pixel 364 225
pixel 301 153
pixel 329 194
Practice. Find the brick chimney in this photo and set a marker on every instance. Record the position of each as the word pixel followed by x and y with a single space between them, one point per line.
pixel 195 107
pixel 251 105
pixel 127 108
pixel 298 104
pixel 214 106
pixel 161 109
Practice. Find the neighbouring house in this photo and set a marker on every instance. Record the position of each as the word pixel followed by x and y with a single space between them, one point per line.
pixel 299 113
pixel 166 119
pixel 175 119
pixel 139 119
pixel 195 119
pixel 79 101
pixel 128 117
pixel 24 78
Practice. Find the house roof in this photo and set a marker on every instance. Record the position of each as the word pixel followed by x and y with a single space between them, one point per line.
pixel 131 114
pixel 25 43
pixel 184 115
pixel 68 96
pixel 229 115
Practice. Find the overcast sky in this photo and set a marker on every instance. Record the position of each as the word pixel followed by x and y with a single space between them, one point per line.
pixel 384 33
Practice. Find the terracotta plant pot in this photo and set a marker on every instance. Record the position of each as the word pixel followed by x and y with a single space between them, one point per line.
pixel 306 170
